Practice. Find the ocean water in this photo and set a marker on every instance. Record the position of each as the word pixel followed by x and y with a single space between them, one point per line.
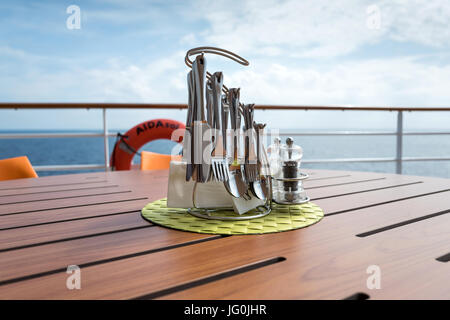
pixel 58 151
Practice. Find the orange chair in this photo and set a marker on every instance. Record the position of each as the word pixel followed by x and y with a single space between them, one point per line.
pixel 16 168
pixel 156 161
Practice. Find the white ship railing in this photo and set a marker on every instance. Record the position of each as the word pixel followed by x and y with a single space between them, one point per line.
pixel 398 133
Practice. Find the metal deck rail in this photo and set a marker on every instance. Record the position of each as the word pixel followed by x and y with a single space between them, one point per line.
pixel 398 133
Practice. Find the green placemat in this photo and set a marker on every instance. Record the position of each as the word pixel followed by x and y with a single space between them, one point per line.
pixel 282 218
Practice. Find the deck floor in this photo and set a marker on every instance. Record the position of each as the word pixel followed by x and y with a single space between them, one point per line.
pixel 399 224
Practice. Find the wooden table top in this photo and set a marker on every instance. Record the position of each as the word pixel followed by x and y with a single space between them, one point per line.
pixel 396 224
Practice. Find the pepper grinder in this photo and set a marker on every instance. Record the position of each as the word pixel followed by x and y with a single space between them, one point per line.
pixel 290 179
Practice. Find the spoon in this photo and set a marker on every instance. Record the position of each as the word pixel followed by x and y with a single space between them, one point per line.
pixel 255 185
pixel 264 182
pixel 236 184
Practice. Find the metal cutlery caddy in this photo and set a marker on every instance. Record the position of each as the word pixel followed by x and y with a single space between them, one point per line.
pixel 216 150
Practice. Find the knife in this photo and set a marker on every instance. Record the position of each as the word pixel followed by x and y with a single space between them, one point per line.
pixel 188 141
pixel 217 84
pixel 201 127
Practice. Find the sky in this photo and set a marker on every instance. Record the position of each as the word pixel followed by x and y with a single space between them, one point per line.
pixel 362 53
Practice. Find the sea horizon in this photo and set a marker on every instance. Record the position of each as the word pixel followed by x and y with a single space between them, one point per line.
pixel 90 150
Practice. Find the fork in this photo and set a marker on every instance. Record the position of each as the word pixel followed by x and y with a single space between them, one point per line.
pixel 219 160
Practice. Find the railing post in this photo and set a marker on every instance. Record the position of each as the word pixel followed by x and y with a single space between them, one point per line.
pixel 399 145
pixel 105 140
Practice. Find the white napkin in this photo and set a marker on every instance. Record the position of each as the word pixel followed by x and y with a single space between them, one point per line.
pixel 207 195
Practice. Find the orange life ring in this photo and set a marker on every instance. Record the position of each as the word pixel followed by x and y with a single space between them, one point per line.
pixel 130 142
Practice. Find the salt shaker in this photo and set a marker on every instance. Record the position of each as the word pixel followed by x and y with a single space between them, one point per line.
pixel 274 157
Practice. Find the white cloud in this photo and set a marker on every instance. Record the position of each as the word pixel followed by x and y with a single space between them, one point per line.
pixel 321 28
pixel 419 21
pixel 399 81
pixel 115 81
pixel 394 81
pixel 298 27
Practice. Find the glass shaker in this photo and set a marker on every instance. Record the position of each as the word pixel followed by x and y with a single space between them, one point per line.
pixel 289 181
pixel 274 157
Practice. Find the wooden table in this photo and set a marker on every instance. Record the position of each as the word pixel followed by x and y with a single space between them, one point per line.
pixel 398 225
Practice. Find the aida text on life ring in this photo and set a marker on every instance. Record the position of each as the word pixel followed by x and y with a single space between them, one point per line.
pixel 130 142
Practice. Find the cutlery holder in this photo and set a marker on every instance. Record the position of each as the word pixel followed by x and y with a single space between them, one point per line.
pixel 216 173
pixel 203 198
